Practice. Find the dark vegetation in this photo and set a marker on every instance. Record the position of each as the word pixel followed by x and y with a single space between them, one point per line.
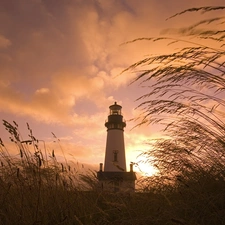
pixel 186 96
pixel 37 189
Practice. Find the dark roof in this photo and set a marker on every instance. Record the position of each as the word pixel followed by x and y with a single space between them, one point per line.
pixel 115 106
pixel 116 176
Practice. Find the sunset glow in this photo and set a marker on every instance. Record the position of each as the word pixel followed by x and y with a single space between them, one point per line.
pixel 60 65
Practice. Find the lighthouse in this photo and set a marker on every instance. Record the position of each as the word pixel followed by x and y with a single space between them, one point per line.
pixel 114 177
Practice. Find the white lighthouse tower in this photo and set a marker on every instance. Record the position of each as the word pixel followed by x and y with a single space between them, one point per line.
pixel 115 159
pixel 114 177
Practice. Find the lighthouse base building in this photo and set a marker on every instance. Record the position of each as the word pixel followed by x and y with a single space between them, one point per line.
pixel 114 177
pixel 116 181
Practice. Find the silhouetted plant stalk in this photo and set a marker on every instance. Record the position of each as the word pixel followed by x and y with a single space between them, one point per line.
pixel 36 192
pixel 32 165
pixel 186 96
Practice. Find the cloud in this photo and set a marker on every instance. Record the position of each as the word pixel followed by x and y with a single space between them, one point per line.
pixel 62 52
pixel 42 91
pixel 4 42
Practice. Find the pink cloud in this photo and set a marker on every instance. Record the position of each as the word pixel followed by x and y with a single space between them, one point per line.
pixel 4 42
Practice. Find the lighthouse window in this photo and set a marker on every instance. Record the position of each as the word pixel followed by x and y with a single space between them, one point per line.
pixel 115 154
pixel 115 112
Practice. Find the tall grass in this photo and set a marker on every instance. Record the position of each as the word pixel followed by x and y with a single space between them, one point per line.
pixel 185 96
pixel 37 189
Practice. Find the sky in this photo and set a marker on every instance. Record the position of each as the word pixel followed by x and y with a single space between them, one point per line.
pixel 60 65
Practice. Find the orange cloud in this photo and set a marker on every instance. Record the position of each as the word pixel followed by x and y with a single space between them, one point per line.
pixel 4 42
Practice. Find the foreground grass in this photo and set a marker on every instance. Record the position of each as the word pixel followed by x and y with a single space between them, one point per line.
pixel 26 205
pixel 36 189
